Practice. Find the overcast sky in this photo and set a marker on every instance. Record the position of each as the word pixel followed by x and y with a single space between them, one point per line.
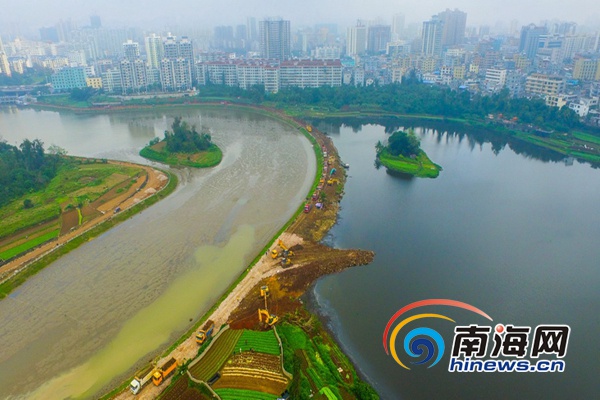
pixel 37 13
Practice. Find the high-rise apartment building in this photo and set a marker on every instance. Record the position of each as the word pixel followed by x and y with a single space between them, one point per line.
pixel 131 50
pixel 177 62
pixel 398 26
pixel 251 26
pixel 4 65
pixel 356 42
pixel 378 36
pixel 530 37
pixel 154 50
pixel 431 37
pixel 133 75
pixel 275 39
pixel 455 24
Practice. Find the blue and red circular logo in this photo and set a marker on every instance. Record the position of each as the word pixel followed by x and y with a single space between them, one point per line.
pixel 422 343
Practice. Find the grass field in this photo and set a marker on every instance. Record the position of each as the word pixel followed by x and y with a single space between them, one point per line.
pixel 262 342
pixel 77 183
pixel 421 166
pixel 240 394
pixel 204 159
pixel 74 183
pixel 216 356
pixel 13 251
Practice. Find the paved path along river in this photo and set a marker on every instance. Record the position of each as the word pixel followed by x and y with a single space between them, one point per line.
pixel 82 323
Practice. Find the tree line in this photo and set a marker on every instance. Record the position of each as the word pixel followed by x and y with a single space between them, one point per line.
pixel 24 169
pixel 411 97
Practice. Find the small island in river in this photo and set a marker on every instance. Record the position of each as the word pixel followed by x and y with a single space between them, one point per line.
pixel 403 154
pixel 183 146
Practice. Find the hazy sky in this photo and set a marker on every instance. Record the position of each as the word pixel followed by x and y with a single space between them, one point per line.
pixel 37 13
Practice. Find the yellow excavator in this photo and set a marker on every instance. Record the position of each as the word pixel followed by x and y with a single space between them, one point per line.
pixel 269 319
pixel 286 262
pixel 286 252
pixel 332 181
pixel 264 291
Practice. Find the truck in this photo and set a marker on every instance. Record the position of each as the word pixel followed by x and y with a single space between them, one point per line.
pixel 163 373
pixel 205 333
pixel 142 377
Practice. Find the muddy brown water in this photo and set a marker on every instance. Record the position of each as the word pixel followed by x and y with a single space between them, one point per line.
pixel 85 322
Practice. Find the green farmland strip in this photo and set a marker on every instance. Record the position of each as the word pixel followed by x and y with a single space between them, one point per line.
pixel 216 356
pixel 328 393
pixel 262 342
pixel 241 394
pixel 5 255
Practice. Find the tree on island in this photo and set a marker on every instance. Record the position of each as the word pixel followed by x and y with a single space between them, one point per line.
pixel 401 143
pixel 184 138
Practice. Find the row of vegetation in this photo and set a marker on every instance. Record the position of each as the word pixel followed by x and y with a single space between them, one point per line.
pixel 262 342
pixel 410 97
pixel 403 154
pixel 184 146
pixel 217 355
pixel 314 359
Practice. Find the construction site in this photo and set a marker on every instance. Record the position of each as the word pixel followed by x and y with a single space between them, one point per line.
pixel 260 342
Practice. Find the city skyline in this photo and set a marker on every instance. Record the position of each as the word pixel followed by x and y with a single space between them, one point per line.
pixel 155 14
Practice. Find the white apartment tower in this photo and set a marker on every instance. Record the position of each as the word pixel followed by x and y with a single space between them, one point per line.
pixel 154 50
pixel 432 37
pixel 275 39
pixel 356 43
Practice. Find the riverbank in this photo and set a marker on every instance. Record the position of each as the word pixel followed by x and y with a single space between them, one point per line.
pixel 138 196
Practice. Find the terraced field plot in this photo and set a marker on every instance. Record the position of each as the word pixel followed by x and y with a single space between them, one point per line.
pixel 216 356
pixel 237 394
pixel 253 371
pixel 182 391
pixel 262 342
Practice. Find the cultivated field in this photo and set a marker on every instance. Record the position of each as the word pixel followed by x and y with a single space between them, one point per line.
pixel 238 394
pixel 216 356
pixel 253 371
pixel 262 342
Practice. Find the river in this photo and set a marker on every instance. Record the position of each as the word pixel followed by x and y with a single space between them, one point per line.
pixel 85 321
pixel 513 234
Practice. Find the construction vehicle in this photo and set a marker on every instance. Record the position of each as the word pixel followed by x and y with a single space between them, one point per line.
pixel 269 319
pixel 274 254
pixel 205 333
pixel 332 181
pixel 142 377
pixel 264 291
pixel 309 128
pixel 285 262
pixel 163 373
pixel 286 252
